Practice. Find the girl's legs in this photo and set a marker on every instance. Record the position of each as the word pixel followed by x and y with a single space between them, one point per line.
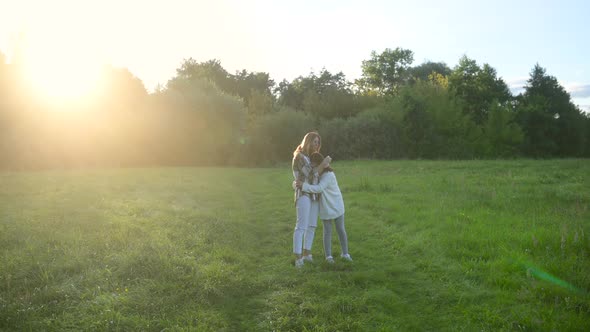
pixel 302 206
pixel 327 237
pixel 341 234
pixel 314 211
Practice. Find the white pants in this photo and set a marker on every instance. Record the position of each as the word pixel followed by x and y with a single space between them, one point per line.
pixel 307 221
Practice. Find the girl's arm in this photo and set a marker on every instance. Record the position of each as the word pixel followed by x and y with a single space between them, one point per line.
pixel 301 165
pixel 325 181
pixel 315 179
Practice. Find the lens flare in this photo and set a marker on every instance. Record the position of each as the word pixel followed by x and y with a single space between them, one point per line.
pixel 546 276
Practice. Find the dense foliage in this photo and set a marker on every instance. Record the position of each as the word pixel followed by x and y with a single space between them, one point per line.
pixel 205 115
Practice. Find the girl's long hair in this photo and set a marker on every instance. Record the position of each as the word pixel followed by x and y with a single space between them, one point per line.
pixel 305 146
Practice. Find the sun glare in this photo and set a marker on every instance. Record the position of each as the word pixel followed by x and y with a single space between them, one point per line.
pixel 63 78
pixel 61 69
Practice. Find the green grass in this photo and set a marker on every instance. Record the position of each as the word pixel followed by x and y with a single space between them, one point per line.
pixel 437 245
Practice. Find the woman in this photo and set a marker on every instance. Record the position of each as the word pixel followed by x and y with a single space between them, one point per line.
pixel 331 206
pixel 306 204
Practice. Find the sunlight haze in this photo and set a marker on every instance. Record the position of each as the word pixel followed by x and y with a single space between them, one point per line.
pixel 151 38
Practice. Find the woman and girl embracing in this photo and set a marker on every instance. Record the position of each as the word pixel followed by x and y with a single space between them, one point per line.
pixel 316 194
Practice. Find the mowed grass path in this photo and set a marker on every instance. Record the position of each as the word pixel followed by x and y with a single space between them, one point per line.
pixel 437 246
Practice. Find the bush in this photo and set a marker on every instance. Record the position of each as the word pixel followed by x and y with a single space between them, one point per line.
pixel 273 137
pixel 374 133
pixel 502 135
pixel 434 125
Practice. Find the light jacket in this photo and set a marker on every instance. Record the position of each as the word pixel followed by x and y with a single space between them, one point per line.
pixel 331 202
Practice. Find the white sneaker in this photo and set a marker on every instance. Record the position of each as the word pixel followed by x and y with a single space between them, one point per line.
pixel 308 258
pixel 330 260
pixel 346 257
pixel 299 263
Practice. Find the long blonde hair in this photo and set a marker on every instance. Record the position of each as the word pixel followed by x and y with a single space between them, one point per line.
pixel 305 145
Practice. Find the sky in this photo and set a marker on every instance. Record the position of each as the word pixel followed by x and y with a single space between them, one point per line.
pixel 288 39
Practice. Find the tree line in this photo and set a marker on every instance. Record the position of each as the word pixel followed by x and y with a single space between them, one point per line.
pixel 205 115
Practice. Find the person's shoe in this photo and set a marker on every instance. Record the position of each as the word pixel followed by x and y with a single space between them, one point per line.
pixel 299 263
pixel 346 257
pixel 330 260
pixel 308 258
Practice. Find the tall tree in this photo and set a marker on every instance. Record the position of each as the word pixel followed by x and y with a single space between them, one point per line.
pixel 553 125
pixel 325 95
pixel 121 89
pixel 242 84
pixel 479 87
pixel 587 135
pixel 210 70
pixel 250 85
pixel 290 94
pixel 423 71
pixel 384 73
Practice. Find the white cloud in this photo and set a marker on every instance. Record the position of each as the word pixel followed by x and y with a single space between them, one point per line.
pixel 575 89
pixel 516 85
pixel 578 90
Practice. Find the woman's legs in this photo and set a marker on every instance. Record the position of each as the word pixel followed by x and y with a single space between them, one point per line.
pixel 314 211
pixel 339 222
pixel 303 206
pixel 327 237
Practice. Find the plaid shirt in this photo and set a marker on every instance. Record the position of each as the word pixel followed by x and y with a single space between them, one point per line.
pixel 303 172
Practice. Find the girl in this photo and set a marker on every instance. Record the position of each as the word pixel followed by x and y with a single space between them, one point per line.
pixel 331 206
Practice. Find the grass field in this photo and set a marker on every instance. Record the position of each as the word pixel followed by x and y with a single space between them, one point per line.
pixel 437 246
